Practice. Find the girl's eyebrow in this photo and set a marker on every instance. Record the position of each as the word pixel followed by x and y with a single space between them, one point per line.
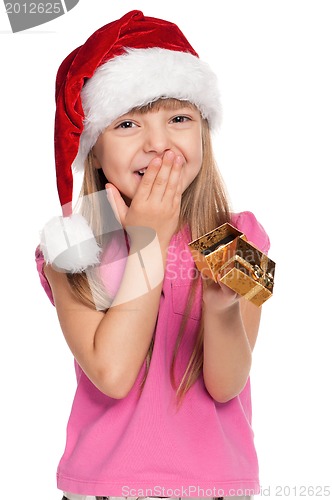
pixel 180 111
pixel 179 108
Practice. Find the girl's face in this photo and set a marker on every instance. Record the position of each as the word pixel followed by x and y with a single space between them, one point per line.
pixel 126 147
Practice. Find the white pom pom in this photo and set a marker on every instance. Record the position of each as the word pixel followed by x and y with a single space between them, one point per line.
pixel 69 244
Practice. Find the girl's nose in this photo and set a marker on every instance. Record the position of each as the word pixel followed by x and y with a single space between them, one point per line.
pixel 157 141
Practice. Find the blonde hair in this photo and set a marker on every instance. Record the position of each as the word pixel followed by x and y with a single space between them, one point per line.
pixel 204 206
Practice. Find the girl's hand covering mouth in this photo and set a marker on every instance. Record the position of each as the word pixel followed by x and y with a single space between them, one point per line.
pixel 156 203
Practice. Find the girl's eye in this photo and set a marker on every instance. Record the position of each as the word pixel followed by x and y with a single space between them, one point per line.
pixel 126 124
pixel 180 119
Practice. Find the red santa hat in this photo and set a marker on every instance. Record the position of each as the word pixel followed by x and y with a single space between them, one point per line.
pixel 127 63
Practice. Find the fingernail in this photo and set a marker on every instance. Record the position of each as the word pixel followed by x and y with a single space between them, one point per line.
pixel 179 160
pixel 169 155
pixel 156 162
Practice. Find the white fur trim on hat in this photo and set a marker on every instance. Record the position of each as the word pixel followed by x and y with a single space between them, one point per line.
pixel 69 244
pixel 141 76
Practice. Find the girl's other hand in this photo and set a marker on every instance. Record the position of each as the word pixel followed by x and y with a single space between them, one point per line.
pixel 218 297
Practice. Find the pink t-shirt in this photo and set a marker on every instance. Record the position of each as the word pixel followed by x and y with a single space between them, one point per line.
pixel 147 446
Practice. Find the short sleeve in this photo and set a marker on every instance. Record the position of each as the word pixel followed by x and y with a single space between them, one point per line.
pixel 247 223
pixel 43 280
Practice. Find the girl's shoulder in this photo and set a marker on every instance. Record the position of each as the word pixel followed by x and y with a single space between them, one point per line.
pixel 247 223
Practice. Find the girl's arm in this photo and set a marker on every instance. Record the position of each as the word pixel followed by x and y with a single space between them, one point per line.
pixel 230 331
pixel 111 347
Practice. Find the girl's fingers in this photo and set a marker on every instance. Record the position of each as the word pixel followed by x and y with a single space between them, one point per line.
pixel 147 181
pixel 162 177
pixel 174 185
pixel 161 181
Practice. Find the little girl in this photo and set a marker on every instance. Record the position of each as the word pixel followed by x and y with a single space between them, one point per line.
pixel 162 356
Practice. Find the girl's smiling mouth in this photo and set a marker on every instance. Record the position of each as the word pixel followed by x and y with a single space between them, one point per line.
pixel 141 171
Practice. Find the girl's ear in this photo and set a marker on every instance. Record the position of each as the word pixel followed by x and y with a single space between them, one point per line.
pixel 95 161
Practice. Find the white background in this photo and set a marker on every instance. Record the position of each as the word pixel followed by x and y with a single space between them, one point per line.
pixel 273 59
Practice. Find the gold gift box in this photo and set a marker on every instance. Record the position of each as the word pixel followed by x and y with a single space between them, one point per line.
pixel 225 252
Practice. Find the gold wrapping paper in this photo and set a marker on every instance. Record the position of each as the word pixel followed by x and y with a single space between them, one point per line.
pixel 224 254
